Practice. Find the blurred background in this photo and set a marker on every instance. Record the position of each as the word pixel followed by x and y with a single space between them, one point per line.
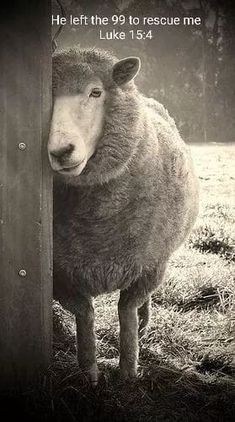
pixel 190 69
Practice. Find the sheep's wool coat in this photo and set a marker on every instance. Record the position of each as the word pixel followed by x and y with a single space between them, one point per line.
pixel 135 201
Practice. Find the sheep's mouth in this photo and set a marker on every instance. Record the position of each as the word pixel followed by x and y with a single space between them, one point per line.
pixel 74 169
pixel 68 169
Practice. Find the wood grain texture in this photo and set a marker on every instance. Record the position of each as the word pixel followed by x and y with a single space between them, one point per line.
pixel 25 192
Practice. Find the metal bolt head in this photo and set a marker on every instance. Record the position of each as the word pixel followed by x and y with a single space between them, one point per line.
pixel 22 146
pixel 22 273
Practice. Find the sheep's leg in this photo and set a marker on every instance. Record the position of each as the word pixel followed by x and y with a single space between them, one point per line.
pixel 81 306
pixel 128 317
pixel 86 344
pixel 136 296
pixel 144 313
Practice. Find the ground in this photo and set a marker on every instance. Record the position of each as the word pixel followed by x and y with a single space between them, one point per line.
pixel 186 367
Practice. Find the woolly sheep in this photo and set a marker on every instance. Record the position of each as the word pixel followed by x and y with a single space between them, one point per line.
pixel 125 195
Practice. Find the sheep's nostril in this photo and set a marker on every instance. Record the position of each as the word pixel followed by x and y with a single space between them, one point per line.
pixel 61 153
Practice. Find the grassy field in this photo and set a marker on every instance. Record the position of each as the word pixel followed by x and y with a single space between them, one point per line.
pixel 187 366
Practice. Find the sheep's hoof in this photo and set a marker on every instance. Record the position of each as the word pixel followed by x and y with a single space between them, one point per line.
pixel 128 372
pixel 93 374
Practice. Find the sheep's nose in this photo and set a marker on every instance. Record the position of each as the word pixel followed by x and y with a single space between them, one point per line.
pixel 62 153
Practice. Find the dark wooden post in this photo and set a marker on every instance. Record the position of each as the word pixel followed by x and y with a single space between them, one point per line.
pixel 25 192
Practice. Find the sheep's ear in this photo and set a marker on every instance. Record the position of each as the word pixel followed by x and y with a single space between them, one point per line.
pixel 126 69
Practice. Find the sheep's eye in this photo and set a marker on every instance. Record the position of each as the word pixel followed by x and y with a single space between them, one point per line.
pixel 96 92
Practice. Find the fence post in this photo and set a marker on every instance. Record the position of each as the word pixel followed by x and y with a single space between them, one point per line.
pixel 25 192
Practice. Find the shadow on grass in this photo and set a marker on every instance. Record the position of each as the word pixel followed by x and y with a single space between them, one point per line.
pixel 160 394
pixel 209 240
pixel 208 297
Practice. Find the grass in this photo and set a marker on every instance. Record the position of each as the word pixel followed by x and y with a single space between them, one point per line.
pixel 187 357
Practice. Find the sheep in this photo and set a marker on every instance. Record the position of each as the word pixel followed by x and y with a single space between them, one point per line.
pixel 125 195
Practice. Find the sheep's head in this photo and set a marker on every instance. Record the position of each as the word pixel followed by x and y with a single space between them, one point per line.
pixel 82 83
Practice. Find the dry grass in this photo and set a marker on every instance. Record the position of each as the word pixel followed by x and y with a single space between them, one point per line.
pixel 187 360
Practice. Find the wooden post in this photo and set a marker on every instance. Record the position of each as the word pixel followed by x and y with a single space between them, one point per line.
pixel 25 192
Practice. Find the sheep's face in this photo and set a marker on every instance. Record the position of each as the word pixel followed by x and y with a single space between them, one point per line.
pixel 82 80
pixel 76 127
